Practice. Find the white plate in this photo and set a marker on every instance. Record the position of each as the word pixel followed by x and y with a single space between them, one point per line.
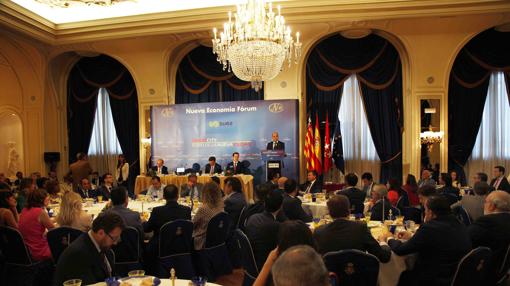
pixel 136 281
pixel 373 223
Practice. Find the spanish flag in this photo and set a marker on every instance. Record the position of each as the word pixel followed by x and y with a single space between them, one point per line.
pixel 317 147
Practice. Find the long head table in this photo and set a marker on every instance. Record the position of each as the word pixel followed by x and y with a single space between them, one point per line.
pixel 142 183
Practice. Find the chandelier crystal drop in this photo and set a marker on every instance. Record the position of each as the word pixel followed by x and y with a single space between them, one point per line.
pixel 255 44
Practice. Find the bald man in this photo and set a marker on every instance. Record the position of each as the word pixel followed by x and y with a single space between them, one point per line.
pixel 426 179
pixel 493 230
pixel 275 143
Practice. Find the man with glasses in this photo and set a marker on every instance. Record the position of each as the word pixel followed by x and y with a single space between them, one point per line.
pixel 88 258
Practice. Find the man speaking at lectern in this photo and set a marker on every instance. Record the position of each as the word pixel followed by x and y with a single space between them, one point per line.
pixel 275 144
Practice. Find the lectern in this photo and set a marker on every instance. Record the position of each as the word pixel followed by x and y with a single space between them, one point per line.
pixel 274 162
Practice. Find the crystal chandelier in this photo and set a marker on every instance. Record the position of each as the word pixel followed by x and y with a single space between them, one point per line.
pixel 68 3
pixel 255 45
pixel 430 138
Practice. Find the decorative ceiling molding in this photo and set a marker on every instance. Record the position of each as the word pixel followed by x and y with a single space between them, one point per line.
pixel 18 18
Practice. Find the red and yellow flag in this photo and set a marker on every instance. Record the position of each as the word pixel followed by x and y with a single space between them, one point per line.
pixel 317 147
pixel 308 146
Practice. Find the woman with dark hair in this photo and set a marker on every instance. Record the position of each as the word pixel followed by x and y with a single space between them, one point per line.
pixel 8 212
pixel 26 185
pixel 53 189
pixel 448 190
pixel 290 233
pixel 455 179
pixel 122 171
pixel 33 223
pixel 411 188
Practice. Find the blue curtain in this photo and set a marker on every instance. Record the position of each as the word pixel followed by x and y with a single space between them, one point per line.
pixel 377 66
pixel 201 78
pixel 87 76
pixel 467 91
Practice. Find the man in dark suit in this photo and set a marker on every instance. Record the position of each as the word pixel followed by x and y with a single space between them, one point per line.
pixel 292 205
pixel 379 204
pixel 88 258
pixel 493 230
pixel 312 184
pixel 345 234
pixel 106 189
pixel 500 182
pixel 192 188
pixel 262 228
pixel 275 144
pixel 160 216
pixel 235 167
pixel 80 169
pixel 120 199
pixel 355 195
pixel 85 189
pixel 212 168
pixel 440 243
pixel 234 199
pixel 160 168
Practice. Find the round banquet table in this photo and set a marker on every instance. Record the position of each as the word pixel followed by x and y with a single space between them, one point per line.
pixel 142 183
pixel 137 206
pixel 320 209
pixel 180 282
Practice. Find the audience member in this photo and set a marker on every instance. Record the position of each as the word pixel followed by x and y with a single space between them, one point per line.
pixel 156 188
pixel 291 233
pixel 393 191
pixel 34 221
pixel 212 168
pixel 160 168
pixel 262 228
pixel 368 184
pixel 500 182
pixel 292 207
pixel 380 205
pixel 312 185
pixel 355 195
pixel 411 188
pixel 425 192
pixel 52 176
pixel 481 177
pixel 234 199
pixel 474 205
pixel 455 179
pixel 493 230
pixel 85 189
pixel 212 204
pixel 8 213
pixel 120 202
pixel 122 171
pixel 452 193
pixel 88 258
pixel 26 185
pixel 53 189
pixel 275 176
pixel 19 176
pixel 106 189
pixel 71 213
pixel 345 234
pixel 80 169
pixel 300 266
pixel 440 242
pixel 192 188
pixel 426 179
pixel 159 217
pixel 40 182
pixel 67 184
pixel 281 185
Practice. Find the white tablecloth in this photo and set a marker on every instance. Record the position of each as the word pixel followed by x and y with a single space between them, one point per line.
pixel 179 282
pixel 137 206
pixel 317 209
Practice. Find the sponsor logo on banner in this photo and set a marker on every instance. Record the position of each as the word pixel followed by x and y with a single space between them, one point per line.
pixel 217 124
pixel 167 112
pixel 276 107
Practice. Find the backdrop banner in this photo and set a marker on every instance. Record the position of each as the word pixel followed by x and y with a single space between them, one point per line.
pixel 184 134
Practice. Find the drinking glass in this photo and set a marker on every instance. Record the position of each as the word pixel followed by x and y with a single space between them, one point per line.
pixel 99 199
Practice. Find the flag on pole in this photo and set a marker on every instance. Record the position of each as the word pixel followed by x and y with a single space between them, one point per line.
pixel 308 146
pixel 317 147
pixel 327 147
pixel 338 150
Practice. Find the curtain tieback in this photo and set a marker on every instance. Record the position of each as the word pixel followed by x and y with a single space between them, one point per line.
pixel 392 158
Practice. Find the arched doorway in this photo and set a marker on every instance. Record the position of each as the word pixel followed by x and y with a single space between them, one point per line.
pixel 11 142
